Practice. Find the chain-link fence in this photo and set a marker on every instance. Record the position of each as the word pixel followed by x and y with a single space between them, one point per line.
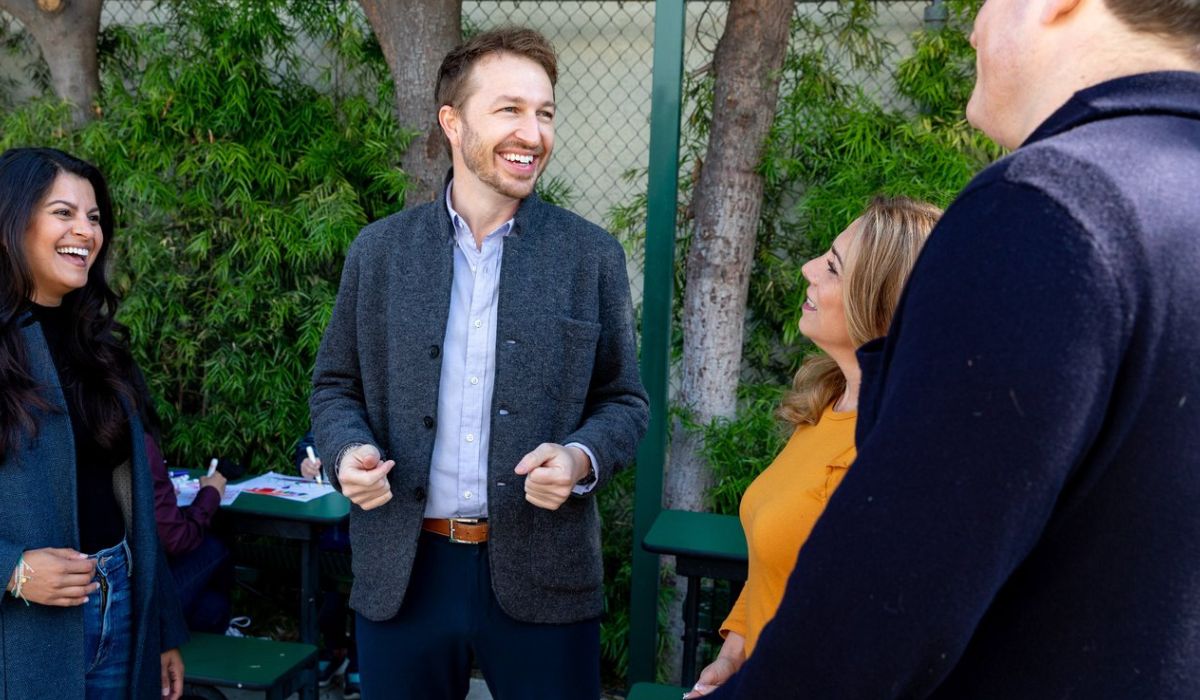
pixel 605 50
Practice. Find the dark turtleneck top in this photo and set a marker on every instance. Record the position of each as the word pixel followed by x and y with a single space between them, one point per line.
pixel 101 524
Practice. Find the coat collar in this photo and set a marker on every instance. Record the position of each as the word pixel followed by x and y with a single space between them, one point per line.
pixel 1166 93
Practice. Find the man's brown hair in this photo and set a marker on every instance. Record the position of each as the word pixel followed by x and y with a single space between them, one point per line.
pixel 1172 19
pixel 456 66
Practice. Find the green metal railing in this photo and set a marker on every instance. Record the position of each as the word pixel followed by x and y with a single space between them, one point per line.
pixel 662 191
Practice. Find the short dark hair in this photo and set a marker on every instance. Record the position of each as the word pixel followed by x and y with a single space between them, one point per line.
pixel 1175 19
pixel 456 66
pixel 455 71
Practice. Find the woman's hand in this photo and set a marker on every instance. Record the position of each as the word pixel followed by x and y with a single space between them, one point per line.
pixel 727 663
pixel 172 674
pixel 217 481
pixel 309 468
pixel 61 577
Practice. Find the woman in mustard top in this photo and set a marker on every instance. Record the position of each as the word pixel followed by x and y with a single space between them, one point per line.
pixel 853 290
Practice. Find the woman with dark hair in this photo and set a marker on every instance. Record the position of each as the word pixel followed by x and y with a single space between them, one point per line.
pixel 853 290
pixel 85 575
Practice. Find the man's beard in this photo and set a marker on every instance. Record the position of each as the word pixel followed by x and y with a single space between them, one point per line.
pixel 479 160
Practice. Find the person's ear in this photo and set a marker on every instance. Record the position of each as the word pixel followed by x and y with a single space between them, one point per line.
pixel 1055 10
pixel 449 120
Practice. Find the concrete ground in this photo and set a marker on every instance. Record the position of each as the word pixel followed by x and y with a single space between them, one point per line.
pixel 479 691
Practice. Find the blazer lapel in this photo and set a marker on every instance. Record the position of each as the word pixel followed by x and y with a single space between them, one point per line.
pixel 55 444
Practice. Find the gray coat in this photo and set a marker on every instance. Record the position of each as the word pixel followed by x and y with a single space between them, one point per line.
pixel 41 647
pixel 566 371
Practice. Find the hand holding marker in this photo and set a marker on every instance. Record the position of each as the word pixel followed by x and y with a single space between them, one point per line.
pixel 313 456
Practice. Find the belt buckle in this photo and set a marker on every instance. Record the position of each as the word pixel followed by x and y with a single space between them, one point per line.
pixel 465 521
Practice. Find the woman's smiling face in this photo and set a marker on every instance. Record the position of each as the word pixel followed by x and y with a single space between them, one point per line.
pixel 64 239
pixel 824 317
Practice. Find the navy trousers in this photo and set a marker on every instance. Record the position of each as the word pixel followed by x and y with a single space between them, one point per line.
pixel 450 618
pixel 204 580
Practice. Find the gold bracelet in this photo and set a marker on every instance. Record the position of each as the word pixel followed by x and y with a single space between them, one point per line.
pixel 20 578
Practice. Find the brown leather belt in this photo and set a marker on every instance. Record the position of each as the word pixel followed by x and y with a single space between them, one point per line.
pixel 459 530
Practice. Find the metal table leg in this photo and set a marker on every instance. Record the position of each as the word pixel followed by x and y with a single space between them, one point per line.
pixel 309 582
pixel 691 631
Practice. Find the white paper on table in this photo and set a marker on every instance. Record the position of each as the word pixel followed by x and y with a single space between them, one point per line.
pixel 292 488
pixel 231 493
pixel 186 489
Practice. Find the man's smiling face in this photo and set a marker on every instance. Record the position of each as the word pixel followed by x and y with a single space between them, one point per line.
pixel 505 127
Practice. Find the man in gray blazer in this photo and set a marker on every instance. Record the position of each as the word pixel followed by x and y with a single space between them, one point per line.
pixel 476 385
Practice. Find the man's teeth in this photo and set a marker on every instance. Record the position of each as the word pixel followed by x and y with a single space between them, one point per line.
pixel 523 159
pixel 70 250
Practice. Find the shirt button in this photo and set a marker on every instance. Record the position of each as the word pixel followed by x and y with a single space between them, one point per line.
pixel 467 494
pixel 474 380
pixel 470 437
pixel 478 323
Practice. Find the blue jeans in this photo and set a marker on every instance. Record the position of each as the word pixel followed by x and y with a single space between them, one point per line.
pixel 107 618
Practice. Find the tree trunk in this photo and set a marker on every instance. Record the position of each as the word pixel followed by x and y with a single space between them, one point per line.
pixel 415 35
pixel 66 31
pixel 727 201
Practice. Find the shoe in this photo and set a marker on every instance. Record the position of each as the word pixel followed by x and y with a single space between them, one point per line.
pixel 327 669
pixel 236 625
pixel 352 690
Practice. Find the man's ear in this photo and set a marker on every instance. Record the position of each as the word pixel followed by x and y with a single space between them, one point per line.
pixel 1055 10
pixel 449 121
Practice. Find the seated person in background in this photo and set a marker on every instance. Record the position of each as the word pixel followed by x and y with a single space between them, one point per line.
pixel 853 291
pixel 199 561
pixel 338 654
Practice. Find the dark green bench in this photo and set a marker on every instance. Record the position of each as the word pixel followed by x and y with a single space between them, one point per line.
pixel 655 691
pixel 277 668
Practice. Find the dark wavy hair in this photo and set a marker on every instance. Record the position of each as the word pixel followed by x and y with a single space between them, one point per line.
pixel 97 351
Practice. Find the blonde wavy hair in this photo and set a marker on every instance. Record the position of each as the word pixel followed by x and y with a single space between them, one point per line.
pixel 890 234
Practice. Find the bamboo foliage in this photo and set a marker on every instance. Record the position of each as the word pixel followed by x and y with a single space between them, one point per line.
pixel 238 189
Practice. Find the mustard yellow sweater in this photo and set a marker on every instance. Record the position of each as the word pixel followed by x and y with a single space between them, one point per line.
pixel 780 508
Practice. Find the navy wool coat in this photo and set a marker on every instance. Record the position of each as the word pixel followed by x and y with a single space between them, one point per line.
pixel 41 647
pixel 1022 520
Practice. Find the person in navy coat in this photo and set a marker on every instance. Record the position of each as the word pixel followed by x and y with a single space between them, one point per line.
pixel 1022 518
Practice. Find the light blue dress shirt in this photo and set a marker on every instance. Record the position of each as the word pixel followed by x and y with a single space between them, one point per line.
pixel 458 472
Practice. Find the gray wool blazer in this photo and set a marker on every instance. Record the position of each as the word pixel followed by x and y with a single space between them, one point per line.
pixel 566 371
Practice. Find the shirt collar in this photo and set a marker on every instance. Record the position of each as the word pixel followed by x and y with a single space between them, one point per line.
pixel 1165 92
pixel 462 231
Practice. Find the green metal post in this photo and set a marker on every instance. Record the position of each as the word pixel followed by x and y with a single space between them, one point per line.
pixel 661 195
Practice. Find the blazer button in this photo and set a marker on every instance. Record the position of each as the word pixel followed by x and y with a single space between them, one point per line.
pixel 428 421
pixel 434 351
pixel 419 493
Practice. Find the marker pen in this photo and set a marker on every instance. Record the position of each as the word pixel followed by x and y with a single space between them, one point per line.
pixel 313 457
